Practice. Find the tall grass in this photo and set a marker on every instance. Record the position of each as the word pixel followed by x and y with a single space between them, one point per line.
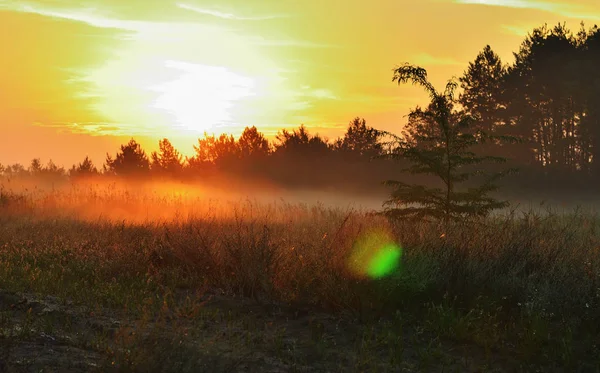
pixel 513 277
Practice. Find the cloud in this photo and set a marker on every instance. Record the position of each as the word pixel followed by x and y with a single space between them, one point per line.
pixel 91 18
pixel 566 9
pixel 154 30
pixel 427 59
pixel 322 93
pixel 79 17
pixel 318 93
pixel 97 128
pixel 223 15
pixel 515 30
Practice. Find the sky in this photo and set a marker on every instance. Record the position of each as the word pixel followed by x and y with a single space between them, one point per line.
pixel 79 78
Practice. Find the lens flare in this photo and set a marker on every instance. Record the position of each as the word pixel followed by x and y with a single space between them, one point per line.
pixel 384 262
pixel 375 254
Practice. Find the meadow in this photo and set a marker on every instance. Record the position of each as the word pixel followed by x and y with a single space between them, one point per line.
pixel 115 277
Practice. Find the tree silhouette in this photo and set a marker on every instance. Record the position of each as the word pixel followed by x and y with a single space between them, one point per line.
pixel 590 86
pixel 204 153
pixel 131 160
pixel 15 170
pixel 253 143
pixel 545 96
pixel 212 151
pixel 168 160
pixel 301 159
pixel 483 90
pixel 35 167
pixel 226 150
pixel 52 169
pixel 85 168
pixel 300 142
pixel 360 140
pixel 437 142
pixel 484 97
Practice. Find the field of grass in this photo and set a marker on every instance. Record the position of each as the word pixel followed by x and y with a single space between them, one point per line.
pixel 115 279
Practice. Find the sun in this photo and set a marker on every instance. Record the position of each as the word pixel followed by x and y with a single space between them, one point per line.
pixel 201 97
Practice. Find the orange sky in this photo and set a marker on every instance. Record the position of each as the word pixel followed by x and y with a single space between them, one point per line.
pixel 79 77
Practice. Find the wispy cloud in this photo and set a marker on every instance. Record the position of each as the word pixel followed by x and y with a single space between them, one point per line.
pixel 224 15
pixel 322 93
pixel 318 93
pixel 161 30
pixel 92 18
pixel 428 59
pixel 98 128
pixel 80 17
pixel 513 4
pixel 566 9
pixel 515 30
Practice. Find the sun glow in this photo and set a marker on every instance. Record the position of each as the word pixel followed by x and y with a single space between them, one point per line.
pixel 202 96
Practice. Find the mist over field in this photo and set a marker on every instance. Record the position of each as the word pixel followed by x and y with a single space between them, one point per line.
pixel 160 199
pixel 165 200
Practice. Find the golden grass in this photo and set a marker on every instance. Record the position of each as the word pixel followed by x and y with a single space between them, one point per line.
pixel 490 281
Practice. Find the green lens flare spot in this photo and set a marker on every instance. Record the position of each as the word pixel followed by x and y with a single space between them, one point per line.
pixel 375 254
pixel 385 261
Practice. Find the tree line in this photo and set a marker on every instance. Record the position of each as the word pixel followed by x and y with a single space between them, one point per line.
pixel 295 156
pixel 549 96
pixel 548 99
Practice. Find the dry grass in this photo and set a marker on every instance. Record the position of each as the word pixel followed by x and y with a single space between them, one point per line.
pixel 523 287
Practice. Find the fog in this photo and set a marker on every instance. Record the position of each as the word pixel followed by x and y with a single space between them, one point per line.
pixel 105 198
pixel 159 200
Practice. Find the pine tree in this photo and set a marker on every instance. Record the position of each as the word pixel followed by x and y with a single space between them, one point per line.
pixel 35 167
pixel 85 168
pixel 482 89
pixel 168 159
pixel 252 143
pixel 360 140
pixel 438 141
pixel 131 160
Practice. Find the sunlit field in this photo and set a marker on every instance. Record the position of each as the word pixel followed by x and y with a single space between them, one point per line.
pixel 133 278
